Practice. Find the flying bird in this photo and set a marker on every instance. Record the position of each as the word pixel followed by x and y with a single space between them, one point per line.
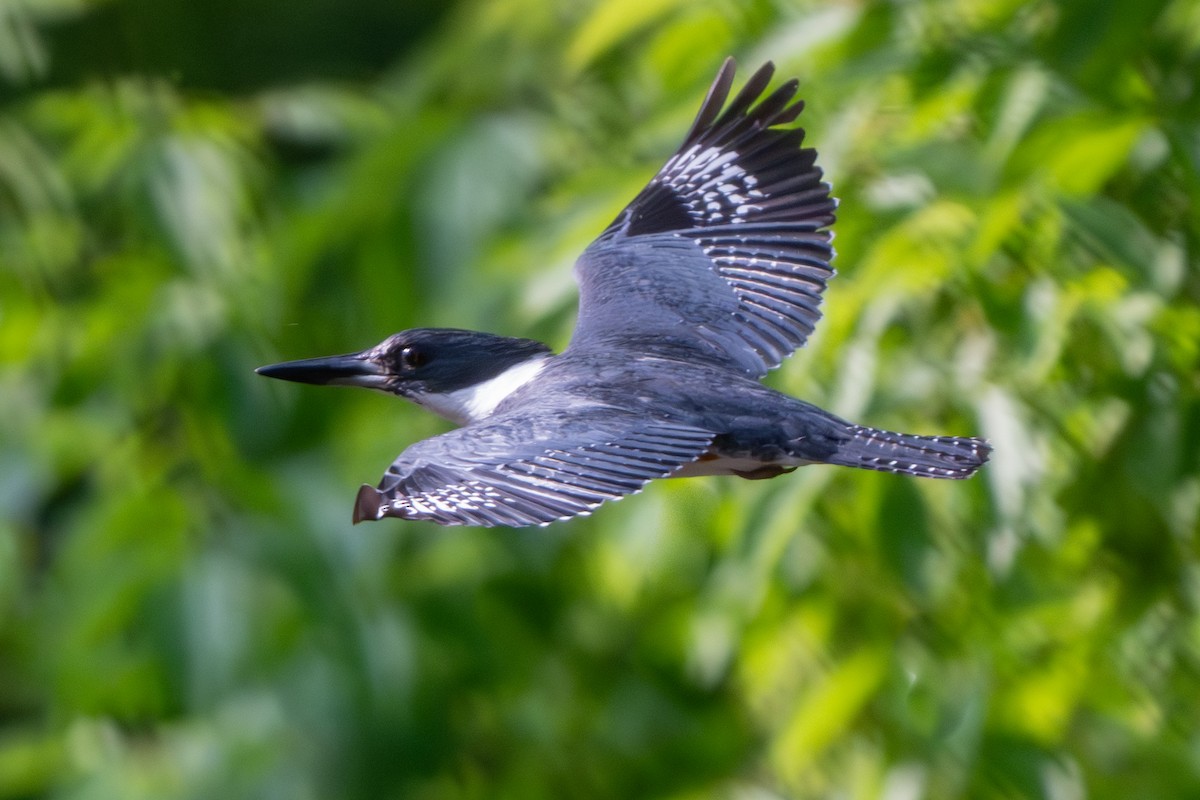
pixel 708 279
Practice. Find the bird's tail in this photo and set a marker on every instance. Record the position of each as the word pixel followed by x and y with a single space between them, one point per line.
pixel 955 457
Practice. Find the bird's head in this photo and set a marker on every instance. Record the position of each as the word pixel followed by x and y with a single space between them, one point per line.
pixel 455 373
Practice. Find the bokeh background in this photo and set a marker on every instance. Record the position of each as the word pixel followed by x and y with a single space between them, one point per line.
pixel 192 189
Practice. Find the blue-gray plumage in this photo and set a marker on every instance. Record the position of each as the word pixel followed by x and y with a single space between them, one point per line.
pixel 708 279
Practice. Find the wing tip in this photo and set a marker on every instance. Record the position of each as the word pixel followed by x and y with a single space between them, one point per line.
pixel 369 504
pixel 714 101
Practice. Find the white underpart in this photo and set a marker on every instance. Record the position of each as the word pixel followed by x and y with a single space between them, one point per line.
pixel 732 466
pixel 479 401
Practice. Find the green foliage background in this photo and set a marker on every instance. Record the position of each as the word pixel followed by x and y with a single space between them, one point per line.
pixel 189 190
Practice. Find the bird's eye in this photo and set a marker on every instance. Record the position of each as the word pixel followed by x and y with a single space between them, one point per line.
pixel 412 357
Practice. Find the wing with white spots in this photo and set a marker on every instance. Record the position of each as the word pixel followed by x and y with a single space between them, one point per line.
pixel 529 469
pixel 730 239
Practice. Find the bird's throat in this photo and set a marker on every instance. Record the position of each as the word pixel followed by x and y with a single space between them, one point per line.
pixel 478 402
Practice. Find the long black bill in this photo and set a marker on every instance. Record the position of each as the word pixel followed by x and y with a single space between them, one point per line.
pixel 355 369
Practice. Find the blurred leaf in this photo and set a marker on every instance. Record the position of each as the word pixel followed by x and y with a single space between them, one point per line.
pixel 826 712
pixel 610 23
pixel 190 190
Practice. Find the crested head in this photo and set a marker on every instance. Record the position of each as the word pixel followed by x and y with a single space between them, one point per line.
pixel 441 360
pixel 458 374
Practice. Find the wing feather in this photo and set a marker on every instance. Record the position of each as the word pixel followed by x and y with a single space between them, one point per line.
pixel 754 207
pixel 522 470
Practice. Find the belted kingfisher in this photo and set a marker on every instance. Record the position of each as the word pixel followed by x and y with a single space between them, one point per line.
pixel 708 279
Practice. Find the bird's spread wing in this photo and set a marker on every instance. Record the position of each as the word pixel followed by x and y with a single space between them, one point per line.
pixel 518 470
pixel 729 242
